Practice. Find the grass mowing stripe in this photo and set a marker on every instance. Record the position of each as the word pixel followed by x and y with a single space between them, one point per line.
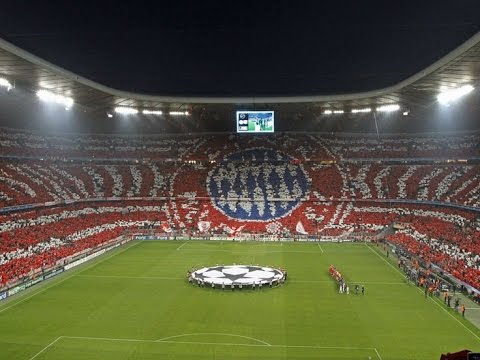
pixel 254 251
pixel 435 302
pixel 64 279
pixel 181 278
pixel 132 277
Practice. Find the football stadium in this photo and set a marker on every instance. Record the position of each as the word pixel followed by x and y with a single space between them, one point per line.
pixel 293 224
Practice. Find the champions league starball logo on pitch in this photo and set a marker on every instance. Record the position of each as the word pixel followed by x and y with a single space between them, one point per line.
pixel 238 275
pixel 269 187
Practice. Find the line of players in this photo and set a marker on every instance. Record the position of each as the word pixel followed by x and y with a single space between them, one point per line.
pixel 343 287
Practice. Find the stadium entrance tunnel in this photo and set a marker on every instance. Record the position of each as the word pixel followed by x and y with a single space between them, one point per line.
pixel 237 276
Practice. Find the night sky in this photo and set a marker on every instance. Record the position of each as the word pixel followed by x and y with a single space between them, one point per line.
pixel 241 48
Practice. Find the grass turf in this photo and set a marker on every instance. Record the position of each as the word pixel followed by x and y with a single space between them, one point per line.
pixel 135 303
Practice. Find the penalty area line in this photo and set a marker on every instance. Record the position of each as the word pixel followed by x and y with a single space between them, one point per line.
pixel 45 348
pixel 262 344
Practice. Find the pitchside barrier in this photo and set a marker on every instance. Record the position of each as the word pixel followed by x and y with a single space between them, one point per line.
pixel 151 234
pixel 42 274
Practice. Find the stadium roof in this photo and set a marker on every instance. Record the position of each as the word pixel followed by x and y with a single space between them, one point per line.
pixel 31 73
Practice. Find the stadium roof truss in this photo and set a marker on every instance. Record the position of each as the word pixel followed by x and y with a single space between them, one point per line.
pixel 461 66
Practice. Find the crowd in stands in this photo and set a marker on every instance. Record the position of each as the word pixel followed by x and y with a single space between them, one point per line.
pixel 207 147
pixel 37 181
pixel 285 184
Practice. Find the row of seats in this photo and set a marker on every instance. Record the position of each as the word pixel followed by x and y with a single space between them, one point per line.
pixel 35 181
pixel 204 147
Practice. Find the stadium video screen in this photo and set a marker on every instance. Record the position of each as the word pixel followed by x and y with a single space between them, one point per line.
pixel 255 121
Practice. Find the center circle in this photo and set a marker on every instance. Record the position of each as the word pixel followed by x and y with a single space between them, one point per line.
pixel 257 185
pixel 245 275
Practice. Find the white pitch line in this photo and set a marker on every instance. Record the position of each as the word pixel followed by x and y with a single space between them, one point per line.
pixel 388 263
pixel 65 279
pixel 216 334
pixel 435 302
pixel 222 344
pixel 378 354
pixel 46 347
pixel 185 243
pixel 320 248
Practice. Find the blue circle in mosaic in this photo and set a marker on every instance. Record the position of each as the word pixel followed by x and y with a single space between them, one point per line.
pixel 257 185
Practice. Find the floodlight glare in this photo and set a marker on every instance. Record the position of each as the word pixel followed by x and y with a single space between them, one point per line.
pixel 124 110
pixel 388 108
pixel 329 112
pixel 49 96
pixel 5 83
pixel 447 96
pixel 364 110
pixel 152 112
pixel 174 113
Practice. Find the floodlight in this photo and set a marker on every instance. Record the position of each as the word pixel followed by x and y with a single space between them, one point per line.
pixel 388 108
pixel 364 110
pixel 5 83
pixel 174 113
pixel 328 112
pixel 49 96
pixel 109 115
pixel 338 111
pixel 152 112
pixel 447 96
pixel 124 110
pixel 405 113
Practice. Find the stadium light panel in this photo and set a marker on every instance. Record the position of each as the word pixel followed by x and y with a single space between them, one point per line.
pixel 175 113
pixel 330 112
pixel 388 108
pixel 49 96
pixel 152 112
pixel 124 110
pixel 447 96
pixel 109 115
pixel 5 83
pixel 364 110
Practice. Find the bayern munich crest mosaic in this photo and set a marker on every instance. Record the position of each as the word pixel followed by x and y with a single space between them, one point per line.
pixel 269 175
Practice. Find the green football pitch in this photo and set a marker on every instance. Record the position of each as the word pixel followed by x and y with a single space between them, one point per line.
pixel 135 303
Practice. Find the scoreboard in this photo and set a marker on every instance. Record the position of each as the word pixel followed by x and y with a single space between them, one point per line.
pixel 255 121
